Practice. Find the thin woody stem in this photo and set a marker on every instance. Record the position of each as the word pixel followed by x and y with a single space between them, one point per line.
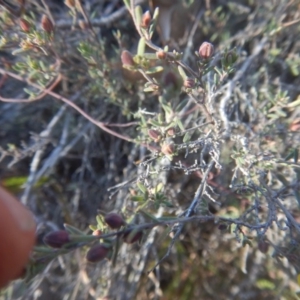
pixel 65 100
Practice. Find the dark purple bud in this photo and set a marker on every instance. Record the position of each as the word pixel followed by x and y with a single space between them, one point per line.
pixel 97 253
pixel 222 226
pixel 263 246
pixel 114 220
pixel 56 239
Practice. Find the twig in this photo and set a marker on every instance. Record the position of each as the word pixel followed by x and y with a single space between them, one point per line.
pixel 179 226
pixel 38 97
pixel 16 12
pixel 103 21
pixel 156 48
pixel 231 84
pixel 38 155
pixel 190 44
pixel 70 103
pixel 87 20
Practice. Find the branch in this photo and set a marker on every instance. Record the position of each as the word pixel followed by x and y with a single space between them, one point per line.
pixel 65 100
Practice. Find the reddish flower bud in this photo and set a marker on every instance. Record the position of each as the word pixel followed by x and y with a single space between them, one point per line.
pixel 97 232
pixel 171 131
pixel 97 253
pixel 25 26
pixel 114 220
pixel 46 24
pixel 167 149
pixel 126 58
pixel 161 54
pixel 132 192
pixel 56 239
pixel 295 125
pixel 206 50
pixel 131 236
pixel 146 19
pixel 189 83
pixel 154 135
pixel 70 3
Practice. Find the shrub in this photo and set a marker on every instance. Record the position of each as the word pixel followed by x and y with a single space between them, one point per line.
pixel 195 144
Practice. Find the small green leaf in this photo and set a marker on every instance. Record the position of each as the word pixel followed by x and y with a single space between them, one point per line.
pixel 29 92
pixel 15 182
pixel 154 22
pixel 155 70
pixel 290 155
pixel 168 110
pixel 93 227
pixel 141 46
pixel 150 55
pixel 138 15
pixel 187 137
pixel 148 215
pixel 182 73
pixel 100 222
pixel 18 51
pixel 73 230
pixel 159 187
pixel 127 3
pixel 42 66
pixel 265 284
pixel 218 71
pixel 180 125
pixel 155 123
pixel 294 69
pixel 155 14
pixel 137 198
pixel 294 103
pixel 181 105
pixel 149 89
pixel 142 188
pixel 167 203
pixel 43 249
pixel 298 279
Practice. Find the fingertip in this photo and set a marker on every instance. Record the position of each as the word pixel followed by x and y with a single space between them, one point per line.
pixel 17 237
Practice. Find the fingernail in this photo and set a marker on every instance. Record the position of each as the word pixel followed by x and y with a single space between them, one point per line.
pixel 22 216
